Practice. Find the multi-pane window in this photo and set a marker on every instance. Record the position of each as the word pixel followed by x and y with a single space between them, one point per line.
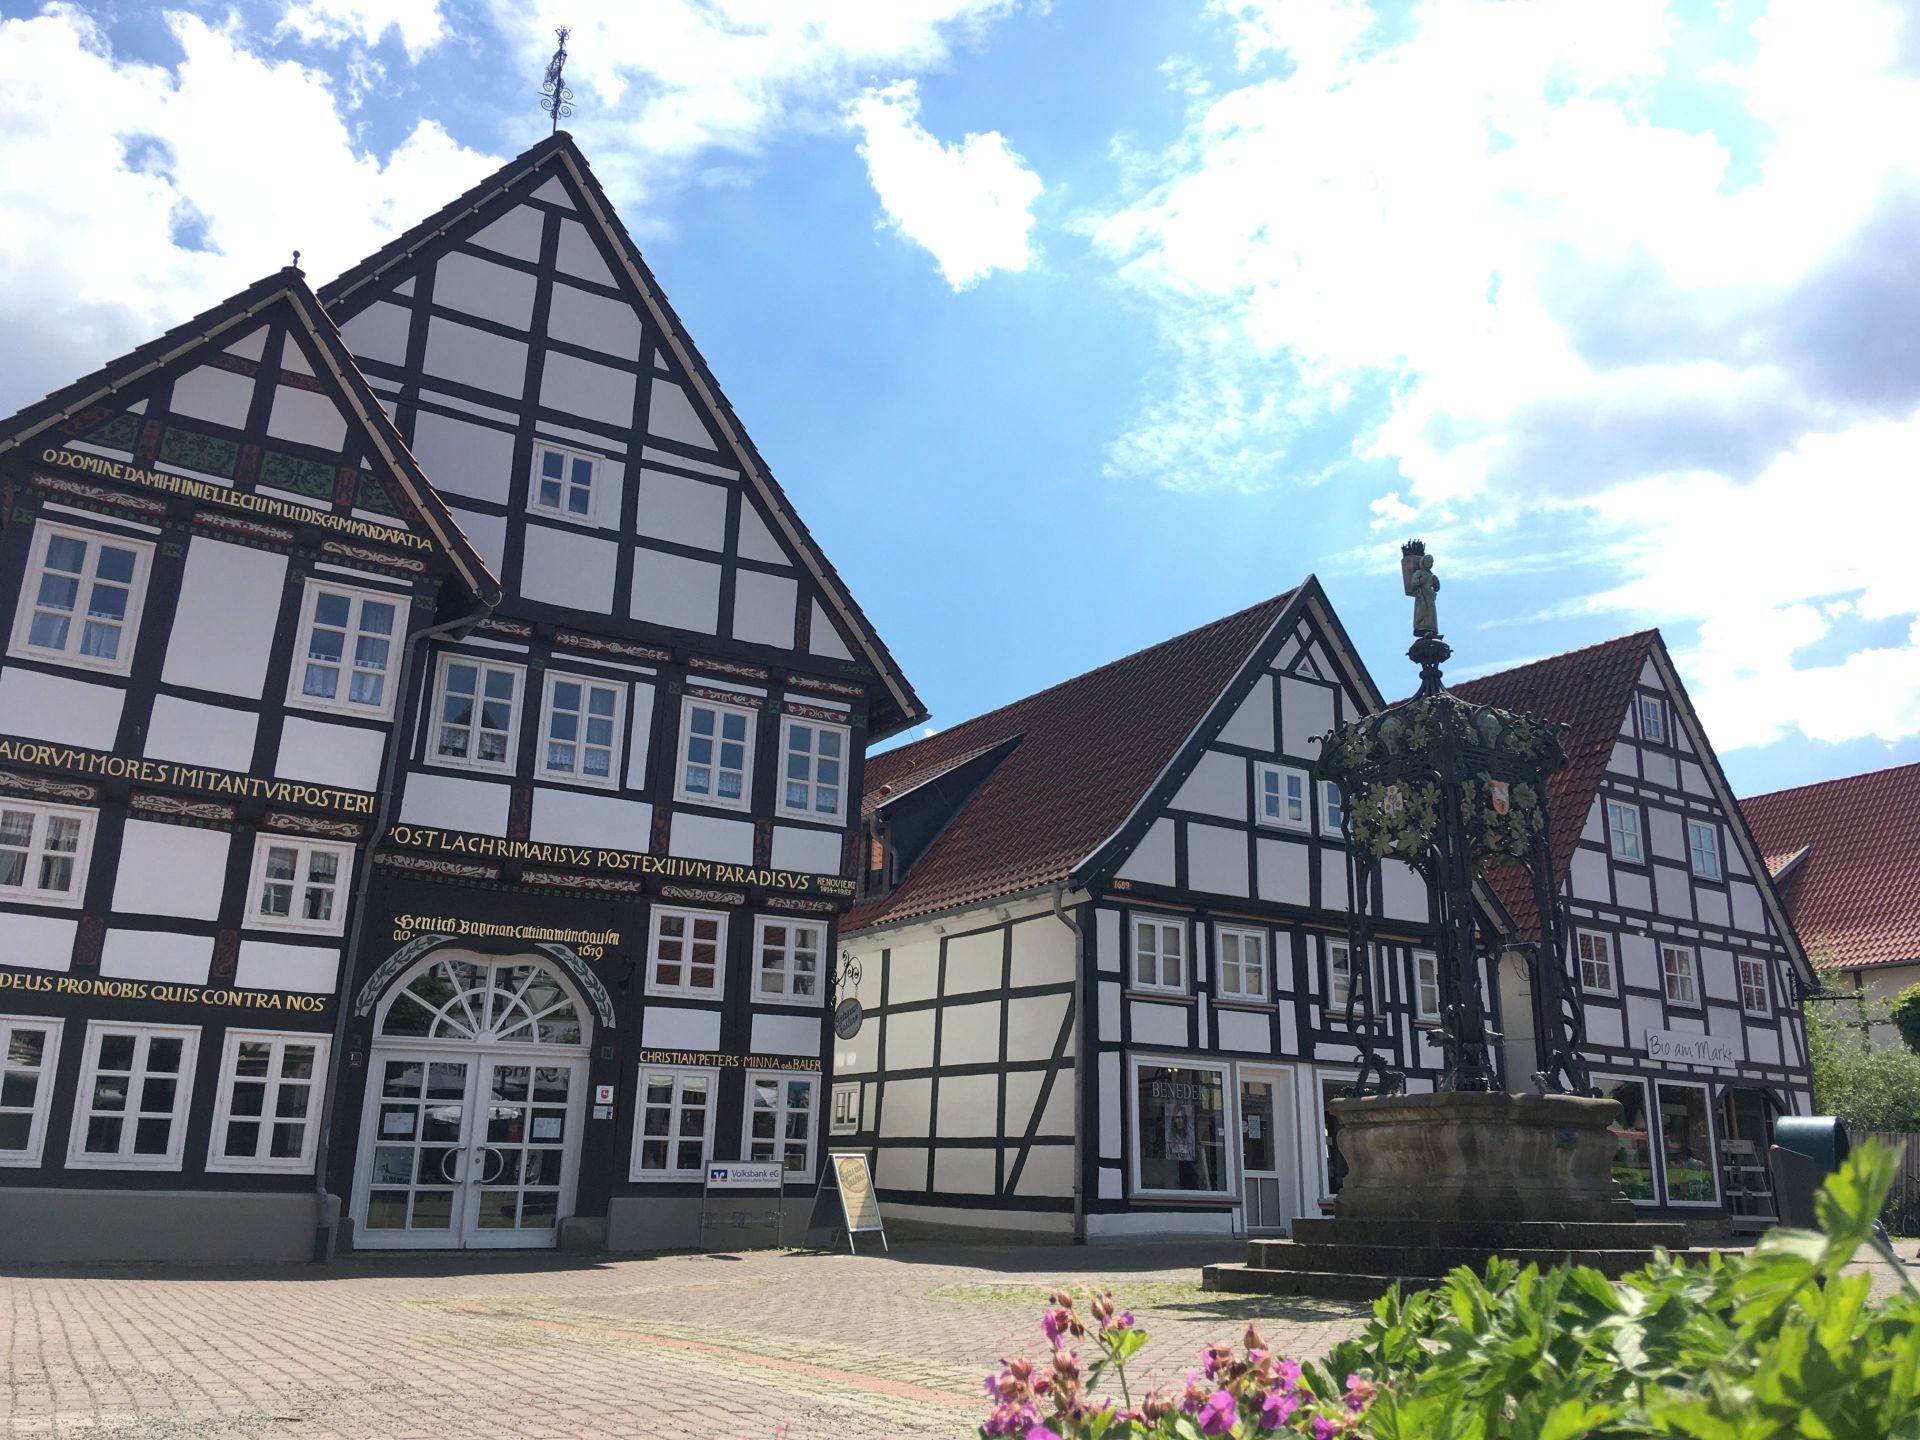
pixel 43 852
pixel 270 1087
pixel 812 770
pixel 780 1120
pixel 688 951
pixel 1595 952
pixel 345 649
pixel 1703 848
pixel 1426 986
pixel 1160 955
pixel 1623 830
pixel 673 1123
pixel 299 884
pixel 81 601
pixel 476 710
pixel 846 1109
pixel 580 730
pixel 787 963
pixel 1753 985
pixel 1333 808
pixel 562 483
pixel 1242 964
pixel 130 1110
pixel 1653 720
pixel 1339 973
pixel 1676 965
pixel 29 1046
pixel 716 753
pixel 1282 797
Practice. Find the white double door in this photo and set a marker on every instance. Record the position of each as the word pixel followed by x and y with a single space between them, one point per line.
pixel 468 1149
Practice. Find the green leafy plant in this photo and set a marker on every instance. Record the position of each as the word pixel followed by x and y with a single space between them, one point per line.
pixel 1869 1085
pixel 1906 1016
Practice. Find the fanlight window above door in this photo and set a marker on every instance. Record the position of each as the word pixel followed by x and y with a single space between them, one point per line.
pixel 477 1001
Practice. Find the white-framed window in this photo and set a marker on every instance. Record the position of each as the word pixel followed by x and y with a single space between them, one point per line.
pixel 780 1119
pixel 267 1116
pixel 476 713
pixel 130 1111
pixel 1178 1138
pixel 1240 963
pixel 1159 954
pixel 846 1109
pixel 786 964
pixel 345 651
pixel 1339 974
pixel 1676 966
pixel 1594 951
pixel 580 725
pixel 1754 998
pixel 1281 796
pixel 81 600
pixel 813 770
pixel 1333 808
pixel 716 754
pixel 673 1122
pixel 562 483
pixel 29 1048
pixel 1623 831
pixel 1653 719
pixel 687 953
pixel 44 852
pixel 1703 849
pixel 1426 985
pixel 299 885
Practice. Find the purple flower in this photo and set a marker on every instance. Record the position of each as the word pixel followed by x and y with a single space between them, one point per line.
pixel 1277 1409
pixel 1040 1432
pixel 1360 1393
pixel 1218 1414
pixel 1050 1323
pixel 1126 1319
pixel 1288 1373
pixel 1322 1428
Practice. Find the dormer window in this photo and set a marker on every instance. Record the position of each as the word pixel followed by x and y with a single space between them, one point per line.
pixel 562 483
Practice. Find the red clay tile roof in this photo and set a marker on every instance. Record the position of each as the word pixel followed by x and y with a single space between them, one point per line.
pixel 1855 899
pixel 1088 750
pixel 1588 691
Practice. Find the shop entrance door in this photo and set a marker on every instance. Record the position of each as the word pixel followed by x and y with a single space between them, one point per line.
pixel 1269 1186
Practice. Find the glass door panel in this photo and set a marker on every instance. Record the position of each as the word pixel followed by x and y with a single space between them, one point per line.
pixel 517 1167
pixel 418 1115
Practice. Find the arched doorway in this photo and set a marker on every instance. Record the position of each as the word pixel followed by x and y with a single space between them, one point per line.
pixel 476 1084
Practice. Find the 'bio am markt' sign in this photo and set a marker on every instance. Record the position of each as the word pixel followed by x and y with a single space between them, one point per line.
pixel 1678 1049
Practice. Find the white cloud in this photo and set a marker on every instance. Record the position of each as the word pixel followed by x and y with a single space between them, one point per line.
pixel 152 201
pixel 419 23
pixel 968 205
pixel 1572 282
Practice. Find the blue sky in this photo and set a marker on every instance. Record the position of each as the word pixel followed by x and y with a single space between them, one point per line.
pixel 1069 326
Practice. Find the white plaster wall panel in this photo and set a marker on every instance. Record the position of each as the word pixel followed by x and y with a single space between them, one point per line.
pixel 476 357
pixel 579 257
pixel 673 590
pixel 233 592
pixel 570 817
pixel 516 233
pixel 379 332
pixel 1283 870
pixel 1217 786
pixel 1736 862
pixel 1108 1104
pixel 594 322
pixel 901 1167
pixel 328 754
pixel 293 359
pixel 1056 1116
pixel 823 636
pixel 1789 1043
pixel 554 192
pixel 708 837
pixel 1666 834
pixel 970 1034
pixel 156 955
pixel 479 287
pixel 639 734
pixel 683 510
pixel 219 396
pixel 913 972
pixel 464 458
pixel 172 870
pixel 1159 1024
pixel 1710 905
pixel 306 417
pixel 1632 889
pixel 975 962
pixel 1289 1027
pixel 1639 961
pixel 1671 892
pixel 1403 893
pixel 53 707
pixel 1048 1171
pixel 1033 1025
pixel 37 942
pixel 793 1034
pixel 1152 859
pixel 1763 1046
pixel 1748 913
pixel 906 1110
pixel 1243 1030
pixel 1718 976
pixel 1252 724
pixel 1043 952
pixel 969 1107
pixel 756 540
pixel 196 734
pixel 1643 1014
pixel 1605 1025
pixel 1217 859
pixel 580 387
pixel 1023 1094
pixel 679 1027
pixel 1107 937
pixel 1693 779
pixel 1621 761
pixel 1595 828
pixel 1306 713
pixel 671 416
pixel 1724 1023
pixel 1681 1023
pixel 1650 676
pixel 859 1055
pixel 1111 1184
pixel 487 532
pixel 816 852
pixel 963 1172
pixel 1202 1031
pixel 562 566
pixel 1659 769
pixel 309 969
pixel 764 608
pixel 450 802
pixel 1333 878
pixel 910 1040
pixel 251 346
pixel 1110 1011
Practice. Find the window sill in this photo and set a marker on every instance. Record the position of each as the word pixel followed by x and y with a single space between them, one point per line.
pixel 808 817
pixel 335 707
pixel 1165 997
pixel 787 1002
pixel 729 808
pixel 61 661
pixel 274 927
pixel 704 997
pixel 1282 827
pixel 475 767
pixel 1264 1007
pixel 43 902
pixel 261 1167
pixel 1185 1199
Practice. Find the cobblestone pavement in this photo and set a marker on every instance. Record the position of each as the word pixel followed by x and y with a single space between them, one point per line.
pixel 788 1345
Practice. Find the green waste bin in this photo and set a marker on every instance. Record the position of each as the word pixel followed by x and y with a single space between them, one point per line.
pixel 1821 1138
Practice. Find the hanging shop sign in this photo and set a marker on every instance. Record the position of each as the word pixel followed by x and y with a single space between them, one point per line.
pixel 1677 1049
pixel 847 1018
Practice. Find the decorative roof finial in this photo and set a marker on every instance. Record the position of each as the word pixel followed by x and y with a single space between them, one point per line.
pixel 556 94
pixel 296 259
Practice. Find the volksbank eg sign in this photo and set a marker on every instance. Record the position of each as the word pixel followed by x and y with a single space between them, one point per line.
pixel 757 1176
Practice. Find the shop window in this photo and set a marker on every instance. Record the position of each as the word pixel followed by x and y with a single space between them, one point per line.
pixel 673 1123
pixel 1633 1155
pixel 1179 1129
pixel 130 1111
pixel 780 1120
pixel 29 1046
pixel 1686 1144
pixel 270 1089
pixel 80 604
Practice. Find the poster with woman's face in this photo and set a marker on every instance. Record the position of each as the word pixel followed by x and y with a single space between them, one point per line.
pixel 1183 1140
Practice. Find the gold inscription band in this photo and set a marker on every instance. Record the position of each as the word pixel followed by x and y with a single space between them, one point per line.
pixel 70 760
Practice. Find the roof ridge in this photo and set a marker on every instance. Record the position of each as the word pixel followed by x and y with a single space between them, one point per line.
pixel 1642 636
pixel 1857 776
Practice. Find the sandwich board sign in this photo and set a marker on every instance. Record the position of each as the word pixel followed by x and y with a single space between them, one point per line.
pixel 859 1206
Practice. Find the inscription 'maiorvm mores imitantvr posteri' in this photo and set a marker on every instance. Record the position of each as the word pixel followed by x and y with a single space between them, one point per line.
pixel 105 765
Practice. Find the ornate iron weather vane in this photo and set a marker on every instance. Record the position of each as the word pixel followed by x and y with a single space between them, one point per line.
pixel 556 95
